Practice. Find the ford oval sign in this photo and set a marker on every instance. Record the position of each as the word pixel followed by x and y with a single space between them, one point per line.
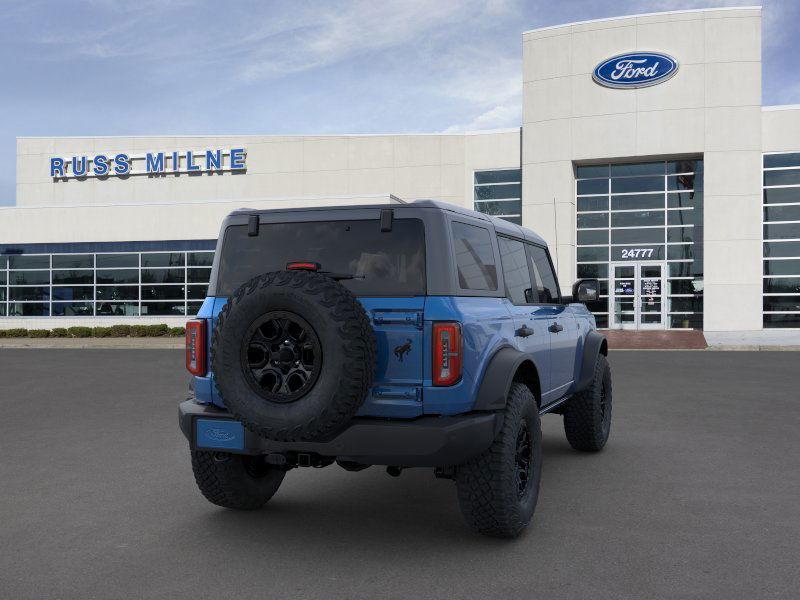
pixel 635 70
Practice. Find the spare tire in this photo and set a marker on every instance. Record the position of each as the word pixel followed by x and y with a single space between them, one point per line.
pixel 293 355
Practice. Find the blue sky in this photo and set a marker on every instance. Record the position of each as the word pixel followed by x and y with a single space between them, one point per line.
pixel 152 67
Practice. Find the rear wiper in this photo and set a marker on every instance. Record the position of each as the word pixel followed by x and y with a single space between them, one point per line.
pixel 341 276
pixel 305 265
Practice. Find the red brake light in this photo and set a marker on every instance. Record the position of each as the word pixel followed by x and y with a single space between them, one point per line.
pixel 196 347
pixel 446 353
pixel 303 266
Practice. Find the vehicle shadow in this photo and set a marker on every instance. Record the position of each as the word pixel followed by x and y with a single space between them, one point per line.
pixel 330 505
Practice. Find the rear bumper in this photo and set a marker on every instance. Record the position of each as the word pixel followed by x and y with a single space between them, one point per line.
pixel 424 442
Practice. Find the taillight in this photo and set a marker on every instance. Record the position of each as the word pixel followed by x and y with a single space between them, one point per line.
pixel 446 353
pixel 196 347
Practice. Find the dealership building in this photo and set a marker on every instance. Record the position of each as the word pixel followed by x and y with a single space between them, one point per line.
pixel 645 158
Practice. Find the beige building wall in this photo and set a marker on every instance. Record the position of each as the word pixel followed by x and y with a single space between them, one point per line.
pixel 438 166
pixel 780 128
pixel 712 106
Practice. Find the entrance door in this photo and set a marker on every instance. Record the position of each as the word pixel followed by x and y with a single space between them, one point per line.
pixel 637 295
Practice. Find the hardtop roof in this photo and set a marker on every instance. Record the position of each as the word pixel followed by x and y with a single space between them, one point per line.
pixel 500 225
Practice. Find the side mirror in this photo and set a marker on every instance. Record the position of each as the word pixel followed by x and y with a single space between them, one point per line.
pixel 586 290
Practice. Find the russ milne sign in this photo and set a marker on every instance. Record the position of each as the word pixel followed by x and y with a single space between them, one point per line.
pixel 151 163
pixel 635 70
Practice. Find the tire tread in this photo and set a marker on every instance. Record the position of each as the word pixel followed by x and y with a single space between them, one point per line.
pixel 582 415
pixel 485 484
pixel 359 349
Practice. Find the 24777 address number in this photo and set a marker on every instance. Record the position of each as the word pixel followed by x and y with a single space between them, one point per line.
pixel 637 252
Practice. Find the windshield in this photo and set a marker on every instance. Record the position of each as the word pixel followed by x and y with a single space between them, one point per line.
pixel 390 263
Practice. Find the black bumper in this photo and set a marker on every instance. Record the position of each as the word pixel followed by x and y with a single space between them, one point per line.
pixel 424 442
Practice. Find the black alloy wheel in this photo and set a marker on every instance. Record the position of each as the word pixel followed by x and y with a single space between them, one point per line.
pixel 522 460
pixel 605 409
pixel 281 356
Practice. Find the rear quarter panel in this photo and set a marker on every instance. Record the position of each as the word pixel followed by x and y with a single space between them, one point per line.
pixel 486 326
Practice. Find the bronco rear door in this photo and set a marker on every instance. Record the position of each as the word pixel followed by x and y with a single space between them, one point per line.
pixel 383 264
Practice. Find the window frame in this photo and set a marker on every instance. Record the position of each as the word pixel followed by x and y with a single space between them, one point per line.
pixel 507 201
pixel 52 303
pixel 487 226
pixel 527 263
pixel 772 317
pixel 682 211
pixel 528 244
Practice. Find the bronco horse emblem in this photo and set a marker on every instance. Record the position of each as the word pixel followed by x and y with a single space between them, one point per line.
pixel 401 351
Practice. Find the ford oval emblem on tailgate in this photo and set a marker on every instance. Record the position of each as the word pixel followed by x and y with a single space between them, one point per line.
pixel 219 435
pixel 224 434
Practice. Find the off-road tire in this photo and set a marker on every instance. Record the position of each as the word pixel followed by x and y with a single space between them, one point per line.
pixel 347 344
pixel 587 416
pixel 235 481
pixel 487 487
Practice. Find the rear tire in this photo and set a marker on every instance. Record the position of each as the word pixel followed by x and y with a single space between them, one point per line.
pixel 587 416
pixel 496 494
pixel 235 481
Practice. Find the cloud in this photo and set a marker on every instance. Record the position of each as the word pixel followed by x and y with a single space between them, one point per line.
pixel 340 32
pixel 497 117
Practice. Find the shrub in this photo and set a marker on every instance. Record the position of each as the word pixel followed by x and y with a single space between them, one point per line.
pixel 98 332
pixel 120 330
pixel 80 332
pixel 156 330
pixel 138 330
pixel 17 332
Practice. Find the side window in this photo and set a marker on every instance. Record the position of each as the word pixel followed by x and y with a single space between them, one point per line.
pixel 546 283
pixel 474 257
pixel 515 270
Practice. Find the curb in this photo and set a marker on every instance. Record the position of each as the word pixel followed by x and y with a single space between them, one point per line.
pixel 158 343
pixel 166 343
pixel 754 347
pixel 718 348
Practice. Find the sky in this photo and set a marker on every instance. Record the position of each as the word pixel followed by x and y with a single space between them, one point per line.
pixel 174 67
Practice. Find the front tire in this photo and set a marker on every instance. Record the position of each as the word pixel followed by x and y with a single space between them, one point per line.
pixel 235 481
pixel 587 416
pixel 498 490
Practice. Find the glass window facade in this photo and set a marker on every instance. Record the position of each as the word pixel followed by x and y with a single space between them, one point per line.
pixel 113 284
pixel 645 212
pixel 499 193
pixel 781 281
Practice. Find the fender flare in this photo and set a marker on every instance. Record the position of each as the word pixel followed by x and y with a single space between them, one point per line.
pixel 497 378
pixel 594 345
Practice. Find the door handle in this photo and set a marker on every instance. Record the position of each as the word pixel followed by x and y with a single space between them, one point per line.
pixel 524 331
pixel 555 328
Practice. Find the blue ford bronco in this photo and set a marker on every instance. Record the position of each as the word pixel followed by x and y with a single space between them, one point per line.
pixel 406 335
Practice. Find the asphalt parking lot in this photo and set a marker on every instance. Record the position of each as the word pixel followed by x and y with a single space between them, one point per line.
pixel 696 496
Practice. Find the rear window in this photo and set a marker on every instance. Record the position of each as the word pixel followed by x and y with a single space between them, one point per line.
pixel 388 263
